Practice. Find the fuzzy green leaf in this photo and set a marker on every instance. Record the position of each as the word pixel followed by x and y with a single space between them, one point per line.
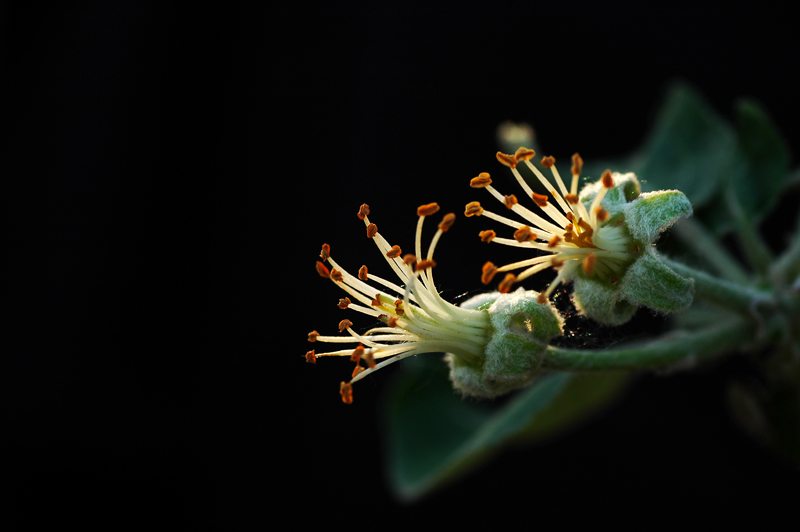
pixel 654 212
pixel 435 436
pixel 652 283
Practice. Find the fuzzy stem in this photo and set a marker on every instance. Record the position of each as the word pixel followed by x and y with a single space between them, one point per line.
pixel 787 267
pixel 724 293
pixel 694 234
pixel 677 347
pixel 755 250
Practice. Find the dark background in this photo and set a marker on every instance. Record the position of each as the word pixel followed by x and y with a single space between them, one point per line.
pixel 180 169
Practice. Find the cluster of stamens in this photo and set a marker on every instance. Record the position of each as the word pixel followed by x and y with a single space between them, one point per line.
pixel 416 319
pixel 571 234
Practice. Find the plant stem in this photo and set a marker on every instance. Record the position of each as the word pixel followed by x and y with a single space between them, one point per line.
pixel 726 294
pixel 755 249
pixel 677 347
pixel 695 234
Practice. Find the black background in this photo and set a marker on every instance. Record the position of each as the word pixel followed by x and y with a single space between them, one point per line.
pixel 181 168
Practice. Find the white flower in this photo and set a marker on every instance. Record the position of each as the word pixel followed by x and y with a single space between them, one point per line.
pixel 416 319
pixel 573 235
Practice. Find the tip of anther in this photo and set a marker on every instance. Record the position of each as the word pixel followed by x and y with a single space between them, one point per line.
pixel 346 391
pixel 488 272
pixel 447 222
pixel 507 160
pixel 541 298
pixel 311 357
pixel 322 270
pixel 363 211
pixel 344 324
pixel 483 180
pixel 539 199
pixel 608 181
pixel 473 208
pixel 505 285
pixel 427 210
pixel 394 252
pixel 547 162
pixel 524 154
pixel 325 253
pixel 577 165
pixel 487 236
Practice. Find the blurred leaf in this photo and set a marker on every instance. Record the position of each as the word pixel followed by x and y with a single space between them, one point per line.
pixel 435 436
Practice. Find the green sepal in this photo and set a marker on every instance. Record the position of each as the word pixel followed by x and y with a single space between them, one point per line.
pixel 651 283
pixel 653 212
pixel 600 302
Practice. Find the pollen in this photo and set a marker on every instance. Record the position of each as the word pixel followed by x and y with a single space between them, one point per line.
pixel 473 209
pixel 483 180
pixel 394 252
pixel 322 270
pixel 487 236
pixel 427 210
pixel 505 285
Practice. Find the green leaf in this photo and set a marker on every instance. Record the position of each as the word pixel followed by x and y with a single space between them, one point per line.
pixel 689 148
pixel 652 283
pixel 435 436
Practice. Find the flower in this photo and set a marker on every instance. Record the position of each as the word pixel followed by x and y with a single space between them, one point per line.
pixel 601 239
pixel 490 333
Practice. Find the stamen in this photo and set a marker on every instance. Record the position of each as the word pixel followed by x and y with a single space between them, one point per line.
pixel 356 371
pixel 473 208
pixel 524 234
pixel 312 336
pixel 601 214
pixel 540 199
pixel 326 252
pixel 571 198
pixel 524 154
pixel 369 357
pixel 362 273
pixel 322 270
pixel 483 180
pixel 344 303
pixel 363 211
pixel 447 222
pixel 548 162
pixel 577 168
pixel 507 160
pixel 510 201
pixel 554 241
pixel 357 352
pixel 409 259
pixel 372 230
pixel 487 236
pixel 344 324
pixel 311 357
pixel 424 265
pixel 394 252
pixel 346 391
pixel 607 180
pixel 336 275
pixel 541 298
pixel 427 210
pixel 505 285
pixel 489 270
pixel 589 264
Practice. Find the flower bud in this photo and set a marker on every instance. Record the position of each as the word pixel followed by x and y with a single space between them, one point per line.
pixel 520 330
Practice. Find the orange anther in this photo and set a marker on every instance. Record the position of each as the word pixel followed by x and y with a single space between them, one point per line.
pixel 337 276
pixel 571 198
pixel 326 252
pixel 447 222
pixel 570 217
pixel 322 270
pixel 488 272
pixel 377 301
pixel 547 162
pixel 608 181
pixel 355 356
pixel 507 160
pixel 577 165
pixel 346 391
pixel 588 264
pixel 362 273
pixel 370 358
pixel 391 321
pixel 311 357
pixel 357 370
pixel 344 303
pixel 541 298
pixel 556 240
pixel 483 180
pixel 372 230
pixel 363 211
pixel 601 214
pixel 427 210
pixel 424 265
pixel 524 154
pixel 473 209
pixel 505 285
pixel 409 259
pixel 556 263
pixel 394 252
pixel 539 199
pixel 524 234
pixel 510 201
pixel 487 236
pixel 344 324
pixel 312 336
